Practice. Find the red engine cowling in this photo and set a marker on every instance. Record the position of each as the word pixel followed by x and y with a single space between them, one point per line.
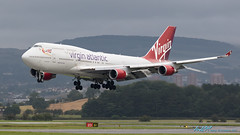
pixel 48 76
pixel 166 70
pixel 117 74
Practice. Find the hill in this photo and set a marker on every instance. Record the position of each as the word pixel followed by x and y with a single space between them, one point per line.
pixel 15 77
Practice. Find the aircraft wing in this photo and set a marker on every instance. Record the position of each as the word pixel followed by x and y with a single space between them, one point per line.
pixel 201 59
pixel 142 70
pixel 179 63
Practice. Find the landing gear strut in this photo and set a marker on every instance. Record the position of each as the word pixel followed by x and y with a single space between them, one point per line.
pixel 78 85
pixel 39 76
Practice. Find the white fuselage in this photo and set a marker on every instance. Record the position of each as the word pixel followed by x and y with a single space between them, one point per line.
pixel 61 59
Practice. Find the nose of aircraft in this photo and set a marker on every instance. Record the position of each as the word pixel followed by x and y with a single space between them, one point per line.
pixel 25 57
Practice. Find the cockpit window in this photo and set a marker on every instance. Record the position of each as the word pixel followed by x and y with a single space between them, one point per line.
pixel 37 46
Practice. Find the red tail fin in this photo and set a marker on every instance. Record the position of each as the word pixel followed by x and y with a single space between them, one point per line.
pixel 161 49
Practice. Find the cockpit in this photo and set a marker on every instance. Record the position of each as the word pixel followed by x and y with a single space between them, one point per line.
pixel 37 46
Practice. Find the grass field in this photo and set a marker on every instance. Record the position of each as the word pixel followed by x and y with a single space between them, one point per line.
pixel 105 124
pixel 109 124
pixel 28 133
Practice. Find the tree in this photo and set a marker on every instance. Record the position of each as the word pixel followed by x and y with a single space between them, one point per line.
pixel 37 102
pixel 91 93
pixel 33 96
pixel 161 99
pixel 28 111
pixel 11 111
pixel 74 95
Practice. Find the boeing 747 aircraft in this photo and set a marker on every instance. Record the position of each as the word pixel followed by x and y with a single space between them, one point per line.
pixel 48 59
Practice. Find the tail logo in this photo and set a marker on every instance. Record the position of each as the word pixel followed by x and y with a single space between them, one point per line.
pixel 161 50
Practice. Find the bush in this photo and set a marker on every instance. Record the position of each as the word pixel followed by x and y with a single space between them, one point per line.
pixel 43 116
pixel 115 117
pixel 10 117
pixel 73 112
pixel 145 118
pixel 237 120
pixel 222 119
pixel 28 111
pixel 57 112
pixel 214 118
pixel 200 120
pixel 25 116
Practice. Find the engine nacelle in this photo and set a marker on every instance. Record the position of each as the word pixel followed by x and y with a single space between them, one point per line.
pixel 48 76
pixel 117 74
pixel 44 76
pixel 166 70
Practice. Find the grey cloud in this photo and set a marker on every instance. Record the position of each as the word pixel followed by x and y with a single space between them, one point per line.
pixel 30 21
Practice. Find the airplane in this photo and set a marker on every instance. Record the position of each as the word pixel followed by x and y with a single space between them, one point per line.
pixel 48 59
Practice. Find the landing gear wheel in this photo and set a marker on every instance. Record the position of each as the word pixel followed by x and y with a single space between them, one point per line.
pixel 78 87
pixel 110 85
pixel 75 83
pixel 78 84
pixel 112 82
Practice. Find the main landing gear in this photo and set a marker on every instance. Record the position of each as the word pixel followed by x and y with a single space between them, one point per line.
pixel 78 85
pixel 108 85
pixel 97 85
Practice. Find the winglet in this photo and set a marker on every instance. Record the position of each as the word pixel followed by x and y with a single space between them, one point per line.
pixel 228 53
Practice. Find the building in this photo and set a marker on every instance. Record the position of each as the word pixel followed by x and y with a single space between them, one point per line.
pixel 217 78
pixel 192 79
pixel 2 109
pixel 177 79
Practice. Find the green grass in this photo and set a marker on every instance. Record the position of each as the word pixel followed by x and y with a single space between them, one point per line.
pixel 35 133
pixel 77 126
pixel 70 116
pixel 111 124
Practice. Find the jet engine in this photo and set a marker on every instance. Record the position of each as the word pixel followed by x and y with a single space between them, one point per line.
pixel 48 76
pixel 117 74
pixel 44 76
pixel 166 70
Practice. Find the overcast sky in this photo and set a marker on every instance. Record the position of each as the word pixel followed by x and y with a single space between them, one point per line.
pixel 25 22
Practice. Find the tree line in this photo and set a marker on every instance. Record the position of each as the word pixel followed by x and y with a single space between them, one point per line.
pixel 162 99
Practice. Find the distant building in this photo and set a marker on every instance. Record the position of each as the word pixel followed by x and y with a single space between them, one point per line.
pixel 2 109
pixel 177 79
pixel 192 79
pixel 217 78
